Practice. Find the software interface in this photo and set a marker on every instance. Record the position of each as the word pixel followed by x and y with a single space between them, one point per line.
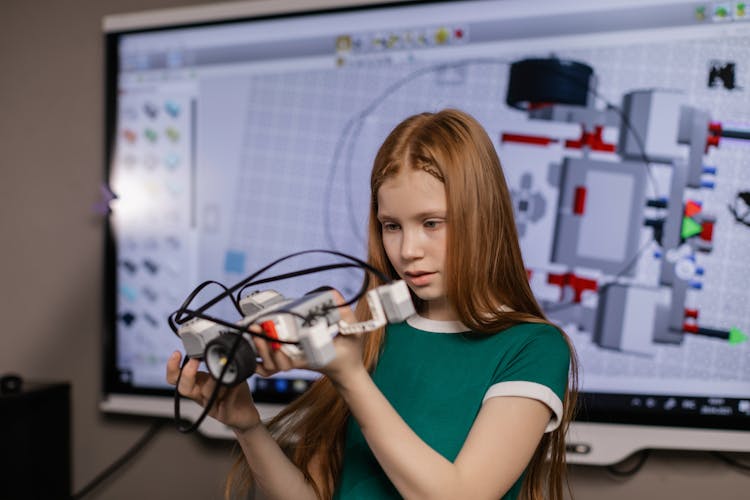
pixel 240 143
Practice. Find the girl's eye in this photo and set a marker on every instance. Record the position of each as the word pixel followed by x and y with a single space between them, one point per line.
pixel 390 226
pixel 431 224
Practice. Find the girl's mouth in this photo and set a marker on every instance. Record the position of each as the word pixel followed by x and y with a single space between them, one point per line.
pixel 419 278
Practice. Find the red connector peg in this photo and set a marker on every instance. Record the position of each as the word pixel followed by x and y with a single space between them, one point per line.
pixel 689 328
pixel 712 140
pixel 691 313
pixel 715 128
pixel 270 330
pixel 592 140
pixel 578 284
pixel 579 200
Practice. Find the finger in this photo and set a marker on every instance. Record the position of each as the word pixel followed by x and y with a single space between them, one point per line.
pixel 299 363
pixel 345 312
pixel 337 297
pixel 207 387
pixel 264 352
pixel 186 386
pixel 173 367
pixel 281 360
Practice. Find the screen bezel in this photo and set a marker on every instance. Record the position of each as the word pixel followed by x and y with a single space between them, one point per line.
pixel 117 396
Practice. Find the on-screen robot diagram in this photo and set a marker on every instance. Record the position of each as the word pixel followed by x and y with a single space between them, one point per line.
pixel 612 207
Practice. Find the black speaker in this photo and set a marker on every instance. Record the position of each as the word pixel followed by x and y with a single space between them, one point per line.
pixel 35 441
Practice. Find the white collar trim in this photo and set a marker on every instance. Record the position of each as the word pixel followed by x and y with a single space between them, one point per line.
pixel 437 326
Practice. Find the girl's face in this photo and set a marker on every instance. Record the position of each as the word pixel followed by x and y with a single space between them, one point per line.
pixel 412 212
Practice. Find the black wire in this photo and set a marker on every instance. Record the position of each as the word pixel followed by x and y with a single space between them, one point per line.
pixel 735 134
pixel 230 357
pixel 731 461
pixel 295 274
pixel 177 315
pixel 237 329
pixel 183 314
pixel 646 453
pixel 211 399
pixel 306 320
pixel 615 471
pixel 182 311
pixel 229 291
pixel 127 456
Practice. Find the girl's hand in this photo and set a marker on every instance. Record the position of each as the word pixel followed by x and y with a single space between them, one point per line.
pixel 348 348
pixel 234 405
pixel 348 352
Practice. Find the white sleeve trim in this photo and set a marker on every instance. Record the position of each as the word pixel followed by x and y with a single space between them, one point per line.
pixel 531 390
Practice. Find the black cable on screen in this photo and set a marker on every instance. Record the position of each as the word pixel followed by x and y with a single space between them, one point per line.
pixel 152 431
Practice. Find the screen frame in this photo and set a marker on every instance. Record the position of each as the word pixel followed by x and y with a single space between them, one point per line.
pixel 593 437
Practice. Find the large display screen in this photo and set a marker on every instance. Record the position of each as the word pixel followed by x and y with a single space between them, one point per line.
pixel 622 127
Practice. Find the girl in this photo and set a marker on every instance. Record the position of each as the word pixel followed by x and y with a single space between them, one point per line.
pixel 469 399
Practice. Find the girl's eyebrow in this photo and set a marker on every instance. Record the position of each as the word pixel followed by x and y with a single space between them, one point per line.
pixel 427 214
pixel 441 214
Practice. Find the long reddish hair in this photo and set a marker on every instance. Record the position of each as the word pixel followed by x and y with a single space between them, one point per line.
pixel 485 271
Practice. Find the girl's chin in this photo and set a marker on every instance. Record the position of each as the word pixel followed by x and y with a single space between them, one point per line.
pixel 427 295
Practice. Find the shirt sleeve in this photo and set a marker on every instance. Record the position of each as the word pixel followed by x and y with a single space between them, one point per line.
pixel 538 369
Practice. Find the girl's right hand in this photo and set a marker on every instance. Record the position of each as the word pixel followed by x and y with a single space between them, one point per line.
pixel 234 405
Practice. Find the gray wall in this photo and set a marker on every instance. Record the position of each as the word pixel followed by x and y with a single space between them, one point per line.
pixel 51 118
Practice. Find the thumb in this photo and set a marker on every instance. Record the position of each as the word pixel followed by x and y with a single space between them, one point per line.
pixel 345 312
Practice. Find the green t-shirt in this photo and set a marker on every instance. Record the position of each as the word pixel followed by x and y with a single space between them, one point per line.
pixel 437 375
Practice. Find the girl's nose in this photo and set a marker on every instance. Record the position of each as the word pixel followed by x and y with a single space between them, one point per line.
pixel 411 245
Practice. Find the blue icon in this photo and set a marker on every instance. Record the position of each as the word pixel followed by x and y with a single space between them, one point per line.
pixel 172 109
